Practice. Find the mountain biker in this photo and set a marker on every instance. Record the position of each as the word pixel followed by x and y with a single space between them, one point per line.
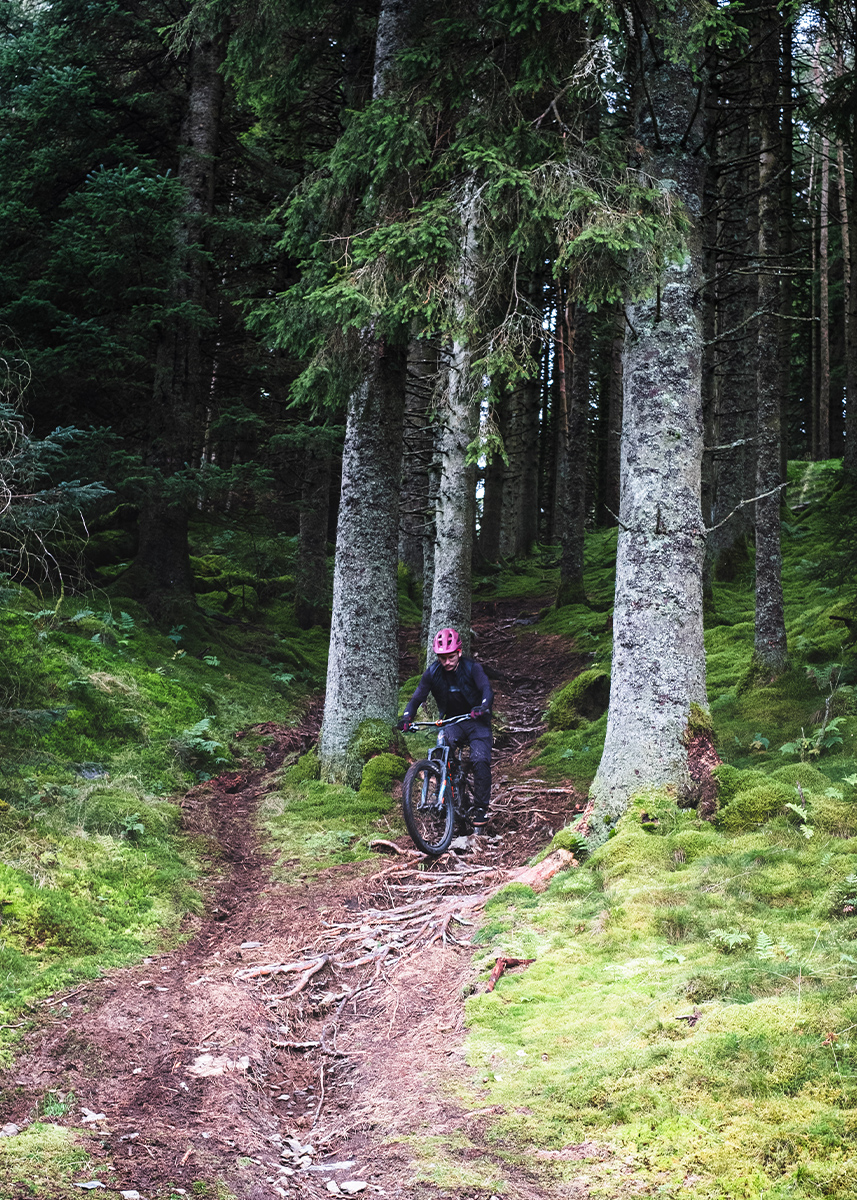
pixel 460 685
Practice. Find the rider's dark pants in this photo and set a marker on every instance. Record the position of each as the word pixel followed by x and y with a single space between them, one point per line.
pixel 478 735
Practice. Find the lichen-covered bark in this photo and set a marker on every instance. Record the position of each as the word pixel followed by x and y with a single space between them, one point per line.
pixel 362 671
pixel 363 661
pixel 453 549
pixel 769 650
pixel 458 425
pixel 658 669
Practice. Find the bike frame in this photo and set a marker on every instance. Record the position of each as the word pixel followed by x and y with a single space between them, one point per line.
pixel 441 754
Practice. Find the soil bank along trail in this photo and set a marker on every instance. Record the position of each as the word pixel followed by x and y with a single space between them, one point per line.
pixel 306 1032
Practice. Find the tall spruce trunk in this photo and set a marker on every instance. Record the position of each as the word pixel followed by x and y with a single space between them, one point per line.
pixel 363 663
pixel 161 572
pixel 312 602
pixel 610 475
pixel 417 453
pixel 786 238
pixel 850 457
pixel 564 356
pixel 658 673
pixel 458 426
pixel 732 452
pixel 520 511
pixel 497 482
pixel 571 585
pixel 824 305
pixel 363 660
pixel 769 651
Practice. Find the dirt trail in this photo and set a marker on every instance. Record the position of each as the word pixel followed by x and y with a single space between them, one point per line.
pixel 197 1065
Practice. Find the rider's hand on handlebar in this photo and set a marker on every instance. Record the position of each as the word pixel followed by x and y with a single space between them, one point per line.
pixel 403 724
pixel 478 712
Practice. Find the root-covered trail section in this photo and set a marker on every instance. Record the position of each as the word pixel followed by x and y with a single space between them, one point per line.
pixel 305 1034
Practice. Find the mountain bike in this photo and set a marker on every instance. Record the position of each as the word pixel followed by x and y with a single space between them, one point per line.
pixel 436 790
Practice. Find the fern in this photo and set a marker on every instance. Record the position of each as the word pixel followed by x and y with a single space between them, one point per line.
pixel 767 948
pixel 728 940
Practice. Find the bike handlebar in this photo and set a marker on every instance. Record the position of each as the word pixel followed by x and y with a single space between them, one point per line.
pixel 437 724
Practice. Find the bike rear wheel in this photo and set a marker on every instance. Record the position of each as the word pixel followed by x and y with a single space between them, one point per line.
pixel 429 817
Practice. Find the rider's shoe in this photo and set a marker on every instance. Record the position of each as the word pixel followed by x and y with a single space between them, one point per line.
pixel 479 818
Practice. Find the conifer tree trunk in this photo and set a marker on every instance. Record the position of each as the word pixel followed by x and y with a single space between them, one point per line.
pixel 786 240
pixel 519 516
pixel 417 453
pixel 161 572
pixel 845 233
pixel 363 660
pixel 824 304
pixel 658 671
pixel 732 450
pixel 571 586
pixel 456 497
pixel 563 366
pixel 528 441
pixel 498 481
pixel 610 479
pixel 850 457
pixel 770 651
pixel 312 603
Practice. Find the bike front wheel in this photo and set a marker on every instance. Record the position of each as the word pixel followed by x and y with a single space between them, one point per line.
pixel 428 815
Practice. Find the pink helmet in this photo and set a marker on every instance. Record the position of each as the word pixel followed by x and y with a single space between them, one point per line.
pixel 446 641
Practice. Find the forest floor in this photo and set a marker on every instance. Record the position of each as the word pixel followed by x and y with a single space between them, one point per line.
pixel 205 1068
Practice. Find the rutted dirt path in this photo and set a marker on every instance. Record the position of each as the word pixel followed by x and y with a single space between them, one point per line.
pixel 199 1065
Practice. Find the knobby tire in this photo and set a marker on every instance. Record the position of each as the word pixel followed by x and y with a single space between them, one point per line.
pixel 429 822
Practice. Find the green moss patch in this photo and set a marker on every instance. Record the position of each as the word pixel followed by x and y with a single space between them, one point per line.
pixel 47 1160
pixel 675 1014
pixel 583 699
pixel 313 825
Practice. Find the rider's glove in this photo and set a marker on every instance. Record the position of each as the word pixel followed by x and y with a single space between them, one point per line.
pixel 478 712
pixel 403 724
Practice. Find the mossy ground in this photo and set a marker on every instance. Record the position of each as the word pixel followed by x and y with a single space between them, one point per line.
pixel 313 825
pixel 692 1004
pixel 103 717
pixel 42 1160
pixel 714 1062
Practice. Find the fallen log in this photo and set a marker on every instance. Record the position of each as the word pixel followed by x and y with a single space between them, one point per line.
pixel 539 876
pixel 503 964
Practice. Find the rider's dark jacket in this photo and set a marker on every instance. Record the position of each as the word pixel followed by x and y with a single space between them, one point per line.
pixel 456 692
